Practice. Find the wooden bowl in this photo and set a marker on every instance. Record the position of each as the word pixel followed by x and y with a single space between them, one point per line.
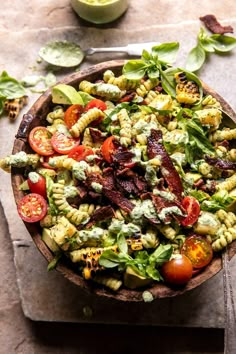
pixel 36 116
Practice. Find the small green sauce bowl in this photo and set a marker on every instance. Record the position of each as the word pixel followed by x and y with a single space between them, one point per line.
pixel 99 11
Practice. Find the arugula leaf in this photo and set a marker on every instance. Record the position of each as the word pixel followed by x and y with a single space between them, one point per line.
pixel 10 88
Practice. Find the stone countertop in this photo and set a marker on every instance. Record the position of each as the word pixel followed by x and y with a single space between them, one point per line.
pixel 23 30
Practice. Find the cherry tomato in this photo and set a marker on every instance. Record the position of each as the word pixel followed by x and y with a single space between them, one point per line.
pixel 95 103
pixel 38 186
pixel 108 148
pixel 63 143
pixel 198 250
pixel 32 207
pixel 177 271
pixel 192 207
pixel 44 160
pixel 72 114
pixel 40 141
pixel 80 153
pixel 98 104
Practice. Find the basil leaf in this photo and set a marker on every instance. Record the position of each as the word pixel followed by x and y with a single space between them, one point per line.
pixel 10 88
pixel 161 254
pixel 168 81
pixel 153 273
pixel 109 259
pixel 196 58
pixel 166 52
pixel 122 244
pixel 134 69
pixel 223 43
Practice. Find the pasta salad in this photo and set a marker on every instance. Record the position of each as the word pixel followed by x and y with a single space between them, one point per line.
pixel 132 183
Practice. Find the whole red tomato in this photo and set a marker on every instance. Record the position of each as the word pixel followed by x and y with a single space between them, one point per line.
pixel 177 271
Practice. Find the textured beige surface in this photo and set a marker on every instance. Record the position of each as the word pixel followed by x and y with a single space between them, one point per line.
pixel 24 28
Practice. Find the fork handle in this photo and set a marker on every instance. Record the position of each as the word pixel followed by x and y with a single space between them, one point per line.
pixel 230 317
pixel 91 51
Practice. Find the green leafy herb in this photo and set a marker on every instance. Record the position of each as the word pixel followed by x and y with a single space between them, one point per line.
pixel 198 144
pixel 208 44
pixel 154 65
pixel 143 263
pixel 10 88
pixel 219 200
pixel 62 54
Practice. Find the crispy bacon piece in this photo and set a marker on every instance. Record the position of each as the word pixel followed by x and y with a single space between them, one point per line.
pixel 128 185
pixel 101 214
pixel 109 178
pixel 214 26
pixel 122 156
pixel 161 203
pixel 155 148
pixel 96 135
pixel 221 164
pixel 118 199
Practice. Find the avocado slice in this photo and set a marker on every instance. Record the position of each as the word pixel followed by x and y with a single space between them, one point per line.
pixel 49 241
pixel 133 280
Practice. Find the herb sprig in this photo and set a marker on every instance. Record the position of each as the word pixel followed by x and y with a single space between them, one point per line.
pixel 208 44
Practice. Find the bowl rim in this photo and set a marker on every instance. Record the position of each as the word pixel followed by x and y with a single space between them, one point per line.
pixel 35 116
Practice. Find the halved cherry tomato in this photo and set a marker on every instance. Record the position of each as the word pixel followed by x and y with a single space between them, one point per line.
pixel 108 148
pixel 95 103
pixel 40 141
pixel 198 250
pixel 177 271
pixel 38 186
pixel 44 160
pixel 63 143
pixel 192 207
pixel 32 207
pixel 80 153
pixel 72 114
pixel 98 104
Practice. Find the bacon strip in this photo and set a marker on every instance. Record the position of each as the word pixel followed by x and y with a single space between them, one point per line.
pixel 118 199
pixel 155 148
pixel 221 164
pixel 214 26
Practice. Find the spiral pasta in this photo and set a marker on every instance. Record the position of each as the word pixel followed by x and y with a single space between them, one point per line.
pixel 85 120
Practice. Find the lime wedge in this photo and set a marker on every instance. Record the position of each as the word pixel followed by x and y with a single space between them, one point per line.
pixel 66 94
pixel 62 53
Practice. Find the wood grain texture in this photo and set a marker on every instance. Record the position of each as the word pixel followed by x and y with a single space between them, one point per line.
pixel 36 116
